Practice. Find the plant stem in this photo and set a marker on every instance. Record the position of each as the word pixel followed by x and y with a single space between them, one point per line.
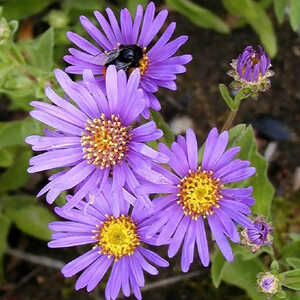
pixel 230 119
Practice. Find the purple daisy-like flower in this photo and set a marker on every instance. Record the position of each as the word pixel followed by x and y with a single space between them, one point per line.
pixel 118 239
pixel 95 136
pixel 257 236
pixel 198 193
pixel 252 65
pixel 128 46
pixel 268 283
pixel 252 70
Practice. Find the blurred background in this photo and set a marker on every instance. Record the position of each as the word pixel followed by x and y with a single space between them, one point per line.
pixel 33 42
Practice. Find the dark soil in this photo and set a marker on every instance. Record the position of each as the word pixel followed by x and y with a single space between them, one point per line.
pixel 197 97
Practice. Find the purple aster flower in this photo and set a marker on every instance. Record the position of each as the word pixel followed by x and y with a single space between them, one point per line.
pixel 257 236
pixel 118 241
pixel 128 46
pixel 198 193
pixel 268 283
pixel 252 70
pixel 95 136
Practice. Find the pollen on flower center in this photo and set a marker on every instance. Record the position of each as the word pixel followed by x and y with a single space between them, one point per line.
pixel 143 64
pixel 199 193
pixel 117 236
pixel 105 141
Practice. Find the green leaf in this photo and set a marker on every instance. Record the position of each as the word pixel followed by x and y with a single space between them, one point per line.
pixel 31 126
pixel 4 230
pixel 295 14
pixel 263 191
pixel 241 95
pixel 243 274
pixel 217 266
pixel 82 5
pixel 16 9
pixel 226 96
pixel 279 8
pixel 132 4
pixel 235 135
pixel 294 236
pixel 244 253
pixel 199 15
pixel 10 134
pixel 258 19
pixel 291 295
pixel 281 295
pixel 6 158
pixel 291 250
pixel 44 51
pixel 32 220
pixel 16 176
pixel 293 262
pixel 17 201
pixel 291 279
pixel 168 136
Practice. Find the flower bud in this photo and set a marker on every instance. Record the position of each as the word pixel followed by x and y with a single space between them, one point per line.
pixel 268 283
pixel 258 236
pixel 251 70
pixel 57 19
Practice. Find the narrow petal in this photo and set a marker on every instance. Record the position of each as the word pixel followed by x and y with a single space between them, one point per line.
pixel 192 149
pixel 223 244
pixel 80 263
pixel 202 244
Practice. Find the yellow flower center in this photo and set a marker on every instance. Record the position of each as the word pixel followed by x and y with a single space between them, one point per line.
pixel 199 193
pixel 143 64
pixel 105 141
pixel 117 237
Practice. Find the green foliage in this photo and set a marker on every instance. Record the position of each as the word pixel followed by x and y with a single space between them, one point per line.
pixel 17 202
pixel 279 8
pixel 295 14
pixel 293 262
pixel 32 220
pixel 16 176
pixel 293 7
pixel 217 268
pixel 291 279
pixel 41 54
pixel 82 5
pixel 6 158
pixel 263 191
pixel 256 16
pixel 132 4
pixel 226 96
pixel 4 230
pixel 11 134
pixel 168 136
pixel 240 272
pixel 16 9
pixel 291 250
pixel 28 216
pixel 199 15
pixel 233 104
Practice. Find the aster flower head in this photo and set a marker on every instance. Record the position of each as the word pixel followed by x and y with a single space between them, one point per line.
pixel 251 70
pixel 268 283
pixel 258 236
pixel 198 193
pixel 117 240
pixel 130 45
pixel 95 136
